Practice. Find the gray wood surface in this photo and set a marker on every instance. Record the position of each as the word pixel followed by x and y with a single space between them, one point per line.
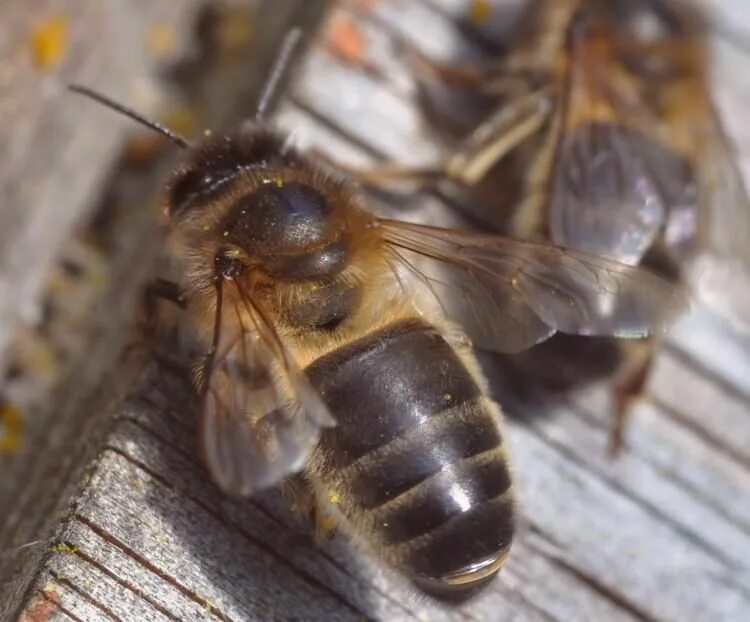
pixel 661 534
pixel 69 367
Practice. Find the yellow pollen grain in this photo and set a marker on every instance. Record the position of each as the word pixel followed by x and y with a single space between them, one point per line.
pixel 334 498
pixel 64 548
pixel 11 428
pixel 182 120
pixel 480 12
pixel 162 40
pixel 49 43
pixel 279 183
pixel 236 29
pixel 226 234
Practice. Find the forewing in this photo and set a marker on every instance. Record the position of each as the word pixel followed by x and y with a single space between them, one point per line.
pixel 510 294
pixel 725 217
pixel 606 189
pixel 721 273
pixel 260 416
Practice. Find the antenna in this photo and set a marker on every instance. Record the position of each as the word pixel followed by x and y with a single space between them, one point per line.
pixel 280 65
pixel 132 114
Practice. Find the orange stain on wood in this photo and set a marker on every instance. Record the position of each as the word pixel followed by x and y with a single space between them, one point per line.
pixel 346 40
pixel 42 608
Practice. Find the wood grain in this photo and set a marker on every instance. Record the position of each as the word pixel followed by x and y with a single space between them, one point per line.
pixel 661 534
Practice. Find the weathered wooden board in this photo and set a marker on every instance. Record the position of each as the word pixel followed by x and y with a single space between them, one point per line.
pixel 89 294
pixel 661 534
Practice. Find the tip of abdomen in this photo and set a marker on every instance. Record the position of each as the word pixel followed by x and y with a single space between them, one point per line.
pixel 464 583
pixel 455 561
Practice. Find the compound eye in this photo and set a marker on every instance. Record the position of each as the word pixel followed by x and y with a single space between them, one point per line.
pixel 194 187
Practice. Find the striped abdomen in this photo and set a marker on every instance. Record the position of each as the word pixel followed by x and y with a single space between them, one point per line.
pixel 416 458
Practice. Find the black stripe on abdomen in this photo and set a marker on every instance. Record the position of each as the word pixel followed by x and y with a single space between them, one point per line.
pixel 456 489
pixel 384 384
pixel 406 462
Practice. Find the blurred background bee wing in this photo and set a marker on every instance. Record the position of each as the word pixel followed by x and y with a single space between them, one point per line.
pixel 510 294
pixel 720 273
pixel 725 221
pixel 260 418
pixel 605 193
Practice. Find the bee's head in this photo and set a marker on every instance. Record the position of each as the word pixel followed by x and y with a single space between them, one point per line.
pixel 252 199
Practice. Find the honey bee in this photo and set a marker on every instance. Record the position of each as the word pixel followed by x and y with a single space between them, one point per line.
pixel 606 108
pixel 323 363
pixel 603 137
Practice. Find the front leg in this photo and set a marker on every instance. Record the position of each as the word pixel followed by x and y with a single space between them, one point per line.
pixel 148 323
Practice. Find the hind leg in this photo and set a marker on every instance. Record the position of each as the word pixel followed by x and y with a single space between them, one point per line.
pixel 312 503
pixel 628 386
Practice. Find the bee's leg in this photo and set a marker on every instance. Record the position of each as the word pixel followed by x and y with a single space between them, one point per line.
pixel 489 76
pixel 299 496
pixel 628 385
pixel 163 289
pixel 156 290
pixel 471 77
pixel 311 500
pixel 488 144
pixel 389 176
pixel 147 323
pixel 386 175
pixel 327 516
pixel 323 509
pixel 300 499
pixel 499 134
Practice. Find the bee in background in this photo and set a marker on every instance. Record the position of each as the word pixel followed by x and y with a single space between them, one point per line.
pixel 323 363
pixel 607 103
pixel 603 137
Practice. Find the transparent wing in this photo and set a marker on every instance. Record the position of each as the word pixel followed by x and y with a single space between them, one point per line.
pixel 604 198
pixel 609 173
pixel 725 215
pixel 509 294
pixel 260 416
pixel 720 274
